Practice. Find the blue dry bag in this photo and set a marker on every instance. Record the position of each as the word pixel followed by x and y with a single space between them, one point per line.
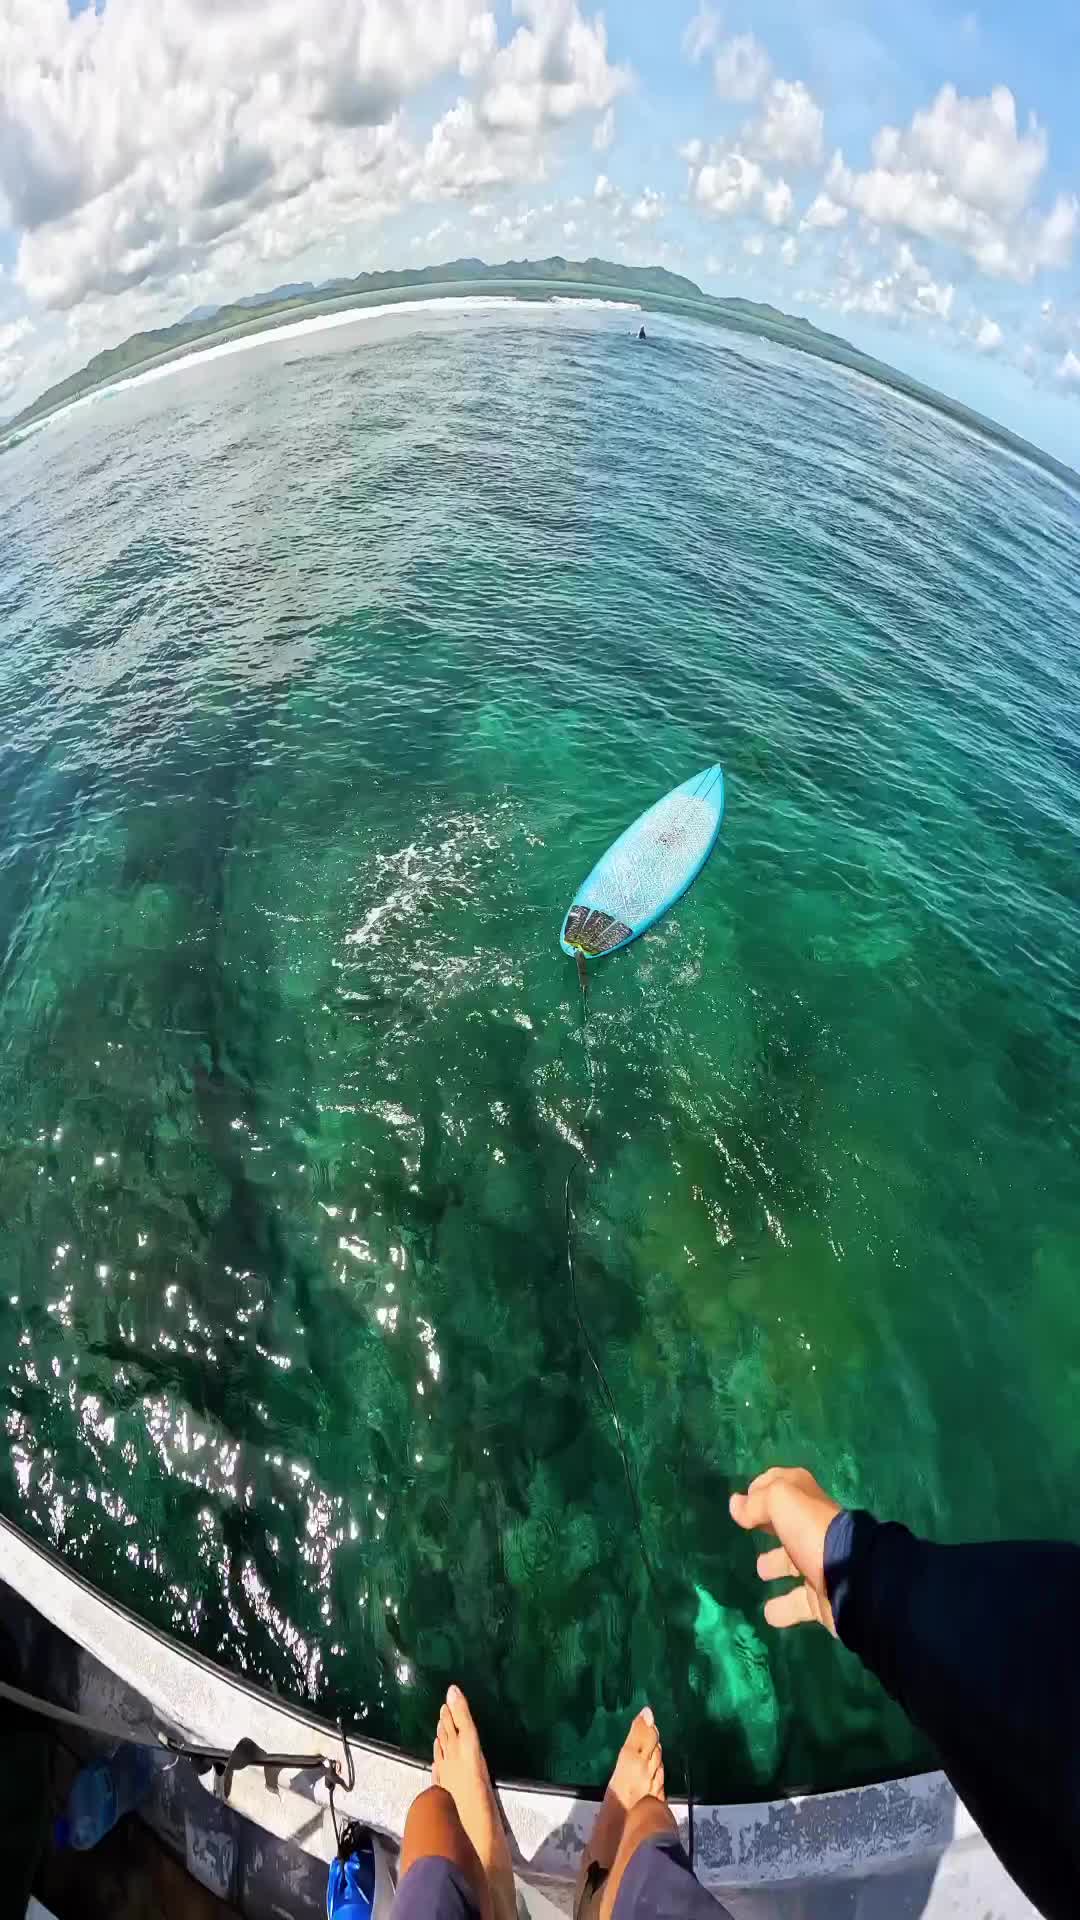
pixel 350 1890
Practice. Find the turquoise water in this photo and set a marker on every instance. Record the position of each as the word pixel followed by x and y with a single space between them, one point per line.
pixel 326 672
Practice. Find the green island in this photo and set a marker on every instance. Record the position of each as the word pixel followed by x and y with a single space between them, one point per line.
pixel 656 289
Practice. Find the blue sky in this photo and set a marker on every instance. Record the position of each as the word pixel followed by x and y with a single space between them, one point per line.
pixel 906 177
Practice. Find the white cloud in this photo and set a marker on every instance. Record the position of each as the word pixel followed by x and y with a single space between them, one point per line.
pixel 603 190
pixel 12 362
pixel 424 242
pixel 727 184
pixel 139 139
pixel 877 297
pixel 778 203
pixel 741 68
pixel 461 159
pixel 554 67
pixel 701 33
pixel 1054 234
pixel 693 152
pixel 14 331
pixel 972 147
pixel 648 207
pixel 791 130
pixel 935 299
pixel 512 229
pixel 481 42
pixel 754 244
pixel 604 131
pixel 963 174
pixel 989 336
pixel 907 288
pixel 823 211
pixel 570 228
pixel 789 251
pixel 1068 368
pixel 175 145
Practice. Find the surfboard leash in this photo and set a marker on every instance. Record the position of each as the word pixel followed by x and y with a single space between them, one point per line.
pixel 583 983
pixel 609 1401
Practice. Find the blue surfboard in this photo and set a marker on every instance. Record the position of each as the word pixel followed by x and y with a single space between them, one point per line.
pixel 649 867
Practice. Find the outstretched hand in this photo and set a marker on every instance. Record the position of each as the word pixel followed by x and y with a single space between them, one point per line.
pixel 788 1502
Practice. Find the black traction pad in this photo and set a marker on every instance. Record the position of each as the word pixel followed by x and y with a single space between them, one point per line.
pixel 593 931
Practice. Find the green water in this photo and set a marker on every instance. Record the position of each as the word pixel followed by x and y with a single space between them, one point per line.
pixel 326 671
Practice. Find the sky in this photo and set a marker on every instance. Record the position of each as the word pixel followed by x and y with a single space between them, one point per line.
pixel 907 177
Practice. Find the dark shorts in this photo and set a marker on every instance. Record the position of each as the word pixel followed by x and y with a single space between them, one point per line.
pixel 434 1889
pixel 657 1885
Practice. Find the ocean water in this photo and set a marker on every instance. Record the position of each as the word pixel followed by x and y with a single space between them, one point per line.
pixel 326 672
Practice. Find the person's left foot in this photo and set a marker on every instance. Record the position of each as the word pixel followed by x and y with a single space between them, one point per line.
pixel 459 1766
pixel 638 1774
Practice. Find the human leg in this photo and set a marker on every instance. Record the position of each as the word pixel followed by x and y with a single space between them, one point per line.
pixel 455 1861
pixel 459 1767
pixel 636 1867
pixel 649 1819
pixel 638 1780
pixel 433 1827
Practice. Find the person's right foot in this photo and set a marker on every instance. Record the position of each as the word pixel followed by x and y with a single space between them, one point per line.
pixel 638 1774
pixel 458 1764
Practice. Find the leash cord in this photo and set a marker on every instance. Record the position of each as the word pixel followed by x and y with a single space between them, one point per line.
pixel 609 1400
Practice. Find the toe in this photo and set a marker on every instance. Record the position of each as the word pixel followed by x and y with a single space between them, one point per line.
pixel 643 1734
pixel 458 1708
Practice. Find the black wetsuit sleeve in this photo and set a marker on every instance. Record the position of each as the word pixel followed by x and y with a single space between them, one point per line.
pixel 981 1647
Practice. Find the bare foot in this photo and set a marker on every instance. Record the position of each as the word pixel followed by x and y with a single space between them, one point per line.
pixel 639 1773
pixel 639 1769
pixel 459 1766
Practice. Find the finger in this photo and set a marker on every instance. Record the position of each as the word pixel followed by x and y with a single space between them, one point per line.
pixel 769 1478
pixel 750 1510
pixel 777 1564
pixel 790 1609
pixel 753 1508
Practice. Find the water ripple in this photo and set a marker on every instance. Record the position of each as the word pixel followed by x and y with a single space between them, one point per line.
pixel 325 675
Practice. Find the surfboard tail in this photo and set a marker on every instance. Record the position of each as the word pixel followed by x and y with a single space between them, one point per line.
pixel 589 931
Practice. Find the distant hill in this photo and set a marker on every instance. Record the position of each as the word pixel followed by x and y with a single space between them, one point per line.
pixel 296 290
pixel 656 287
pixel 205 324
